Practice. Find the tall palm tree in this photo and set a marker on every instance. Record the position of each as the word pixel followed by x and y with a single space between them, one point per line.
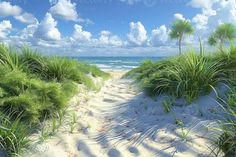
pixel 178 29
pixel 223 33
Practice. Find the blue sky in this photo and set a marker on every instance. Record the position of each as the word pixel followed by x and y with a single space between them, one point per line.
pixel 108 27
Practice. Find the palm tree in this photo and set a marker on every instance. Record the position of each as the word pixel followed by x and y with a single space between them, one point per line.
pixel 223 33
pixel 178 29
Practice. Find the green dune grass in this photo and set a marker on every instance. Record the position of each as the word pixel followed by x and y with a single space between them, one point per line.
pixel 190 76
pixel 187 76
pixel 34 87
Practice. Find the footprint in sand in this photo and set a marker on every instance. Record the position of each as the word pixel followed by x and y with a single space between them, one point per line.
pixel 113 153
pixel 134 150
pixel 81 146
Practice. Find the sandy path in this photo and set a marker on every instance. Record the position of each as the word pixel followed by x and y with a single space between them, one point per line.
pixel 120 122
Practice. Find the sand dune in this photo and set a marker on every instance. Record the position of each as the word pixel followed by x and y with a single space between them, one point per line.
pixel 118 121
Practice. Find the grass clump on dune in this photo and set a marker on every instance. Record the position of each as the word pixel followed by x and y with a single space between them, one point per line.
pixel 13 136
pixel 226 141
pixel 190 76
pixel 34 87
pixel 59 69
pixel 187 76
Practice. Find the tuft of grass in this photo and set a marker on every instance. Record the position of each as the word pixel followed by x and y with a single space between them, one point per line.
pixel 73 122
pixel 187 76
pixel 223 135
pixel 13 136
pixel 9 58
pixel 167 105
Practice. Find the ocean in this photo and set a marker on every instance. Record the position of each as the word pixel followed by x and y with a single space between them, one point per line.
pixel 116 63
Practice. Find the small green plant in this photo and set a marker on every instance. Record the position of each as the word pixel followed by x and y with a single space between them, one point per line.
pixel 61 115
pixel 54 125
pixel 184 132
pixel 14 136
pixel 179 122
pixel 167 105
pixel 44 135
pixel 73 122
pixel 44 132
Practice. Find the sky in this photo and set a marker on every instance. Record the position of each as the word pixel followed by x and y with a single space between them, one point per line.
pixel 109 27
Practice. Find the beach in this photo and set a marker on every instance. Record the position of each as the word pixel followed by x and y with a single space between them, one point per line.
pixel 120 121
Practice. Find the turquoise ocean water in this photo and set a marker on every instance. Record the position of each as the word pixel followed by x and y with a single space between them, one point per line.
pixel 116 63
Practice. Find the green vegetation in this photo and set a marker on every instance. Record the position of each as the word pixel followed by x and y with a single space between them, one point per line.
pixel 223 33
pixel 34 88
pixel 193 74
pixel 178 29
pixel 13 136
pixel 187 76
pixel 227 140
pixel 167 105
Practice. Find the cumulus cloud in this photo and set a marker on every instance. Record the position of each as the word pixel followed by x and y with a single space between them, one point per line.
pixel 138 34
pixel 47 29
pixel 159 36
pixel 81 35
pixel 106 38
pixel 64 9
pixel 225 12
pixel 213 13
pixel 179 16
pixel 200 21
pixel 26 18
pixel 5 28
pixel 6 9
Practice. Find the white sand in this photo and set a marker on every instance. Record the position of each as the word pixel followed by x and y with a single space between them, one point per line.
pixel 120 122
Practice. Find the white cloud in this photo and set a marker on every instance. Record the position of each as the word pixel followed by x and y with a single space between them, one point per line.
pixel 206 4
pixel 81 35
pixel 179 16
pixel 28 32
pixel 47 29
pixel 200 21
pixel 159 36
pixel 212 14
pixel 6 9
pixel 130 1
pixel 64 9
pixel 106 38
pixel 225 12
pixel 26 18
pixel 138 34
pixel 5 28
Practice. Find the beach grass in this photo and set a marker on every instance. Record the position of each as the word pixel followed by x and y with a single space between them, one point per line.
pixel 13 135
pixel 187 76
pixel 34 87
pixel 190 76
pixel 226 141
